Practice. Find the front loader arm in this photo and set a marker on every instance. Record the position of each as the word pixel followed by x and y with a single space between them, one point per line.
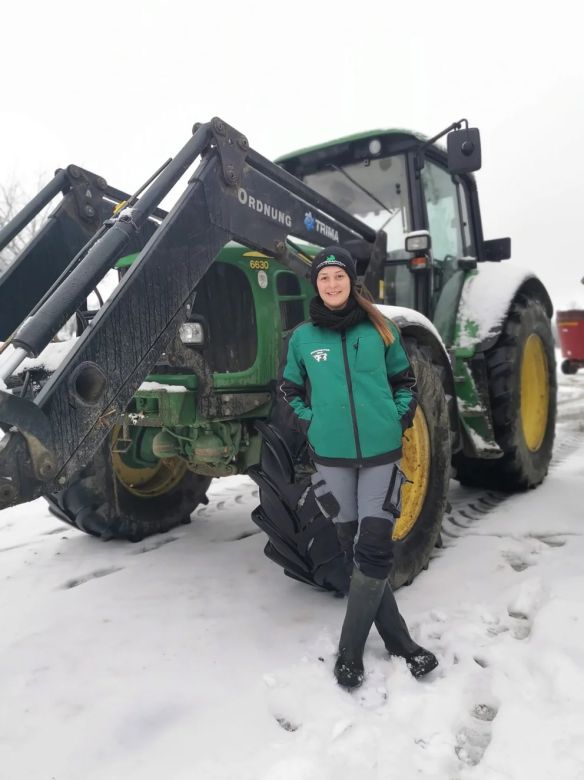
pixel 234 194
pixel 87 202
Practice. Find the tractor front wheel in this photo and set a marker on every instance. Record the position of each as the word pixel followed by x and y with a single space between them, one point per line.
pixel 113 500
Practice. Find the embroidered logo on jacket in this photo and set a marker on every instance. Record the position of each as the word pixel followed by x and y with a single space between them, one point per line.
pixel 320 354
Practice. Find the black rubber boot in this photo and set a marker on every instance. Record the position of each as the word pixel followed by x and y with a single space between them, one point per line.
pixel 396 637
pixel 346 533
pixel 365 594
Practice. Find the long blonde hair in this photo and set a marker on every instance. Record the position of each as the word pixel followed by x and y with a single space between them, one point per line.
pixel 365 301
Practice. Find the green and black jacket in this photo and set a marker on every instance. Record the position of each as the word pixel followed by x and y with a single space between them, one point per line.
pixel 350 394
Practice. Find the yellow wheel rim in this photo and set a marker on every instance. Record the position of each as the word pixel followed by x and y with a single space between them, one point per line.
pixel 150 481
pixel 535 392
pixel 416 466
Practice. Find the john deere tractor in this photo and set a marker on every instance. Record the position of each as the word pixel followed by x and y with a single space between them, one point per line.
pixel 171 382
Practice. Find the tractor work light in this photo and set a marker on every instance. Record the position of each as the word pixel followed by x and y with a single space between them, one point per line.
pixel 418 241
pixel 192 333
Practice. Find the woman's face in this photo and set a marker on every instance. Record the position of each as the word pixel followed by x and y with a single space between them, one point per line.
pixel 334 286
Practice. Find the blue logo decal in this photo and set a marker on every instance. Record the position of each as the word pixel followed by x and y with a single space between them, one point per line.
pixel 309 222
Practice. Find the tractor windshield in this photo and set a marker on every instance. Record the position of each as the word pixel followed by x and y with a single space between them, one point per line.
pixel 375 191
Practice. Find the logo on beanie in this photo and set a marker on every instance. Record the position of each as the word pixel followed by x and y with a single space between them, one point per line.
pixel 320 354
pixel 311 223
pixel 331 260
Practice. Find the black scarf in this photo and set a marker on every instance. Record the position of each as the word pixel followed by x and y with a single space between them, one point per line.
pixel 336 319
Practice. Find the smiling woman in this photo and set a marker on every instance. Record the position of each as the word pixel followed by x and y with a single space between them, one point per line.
pixel 348 385
pixel 334 287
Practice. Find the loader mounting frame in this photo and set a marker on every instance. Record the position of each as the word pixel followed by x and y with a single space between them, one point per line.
pixel 234 194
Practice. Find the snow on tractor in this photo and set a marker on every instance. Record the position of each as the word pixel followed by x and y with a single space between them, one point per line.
pixel 171 382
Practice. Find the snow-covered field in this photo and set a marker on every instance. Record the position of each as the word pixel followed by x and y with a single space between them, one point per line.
pixel 191 657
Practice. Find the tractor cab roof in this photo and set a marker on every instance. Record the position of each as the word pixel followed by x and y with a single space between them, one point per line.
pixel 355 148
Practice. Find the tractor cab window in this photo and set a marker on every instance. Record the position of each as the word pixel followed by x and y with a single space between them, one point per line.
pixel 375 191
pixel 446 208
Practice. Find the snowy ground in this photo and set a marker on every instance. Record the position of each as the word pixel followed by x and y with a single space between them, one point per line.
pixel 190 655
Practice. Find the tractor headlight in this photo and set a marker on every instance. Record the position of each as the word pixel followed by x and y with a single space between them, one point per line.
pixel 418 241
pixel 192 333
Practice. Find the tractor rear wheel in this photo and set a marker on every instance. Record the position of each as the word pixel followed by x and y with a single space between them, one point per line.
pixel 112 500
pixel 426 463
pixel 521 369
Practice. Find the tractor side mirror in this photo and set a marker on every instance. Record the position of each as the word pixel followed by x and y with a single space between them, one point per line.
pixel 464 150
pixel 497 249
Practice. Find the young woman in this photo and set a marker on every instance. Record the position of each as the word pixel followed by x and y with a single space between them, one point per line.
pixel 349 387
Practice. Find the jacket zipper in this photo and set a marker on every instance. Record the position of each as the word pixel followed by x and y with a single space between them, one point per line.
pixel 351 399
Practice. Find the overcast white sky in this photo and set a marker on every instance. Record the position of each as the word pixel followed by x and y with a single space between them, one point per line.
pixel 116 88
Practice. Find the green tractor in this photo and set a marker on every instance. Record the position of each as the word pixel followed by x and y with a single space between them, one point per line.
pixel 172 382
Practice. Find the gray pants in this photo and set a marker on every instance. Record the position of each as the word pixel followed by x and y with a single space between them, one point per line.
pixel 364 504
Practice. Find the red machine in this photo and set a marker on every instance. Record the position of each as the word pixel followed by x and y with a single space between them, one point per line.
pixel 571 332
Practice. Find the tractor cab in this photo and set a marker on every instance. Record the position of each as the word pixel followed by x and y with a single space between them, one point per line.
pixel 423 196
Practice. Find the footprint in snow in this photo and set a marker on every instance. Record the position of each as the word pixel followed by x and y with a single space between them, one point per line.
pixel 551 540
pixel 523 553
pixel 518 561
pixel 150 546
pixel 524 606
pixel 74 583
pixel 475 736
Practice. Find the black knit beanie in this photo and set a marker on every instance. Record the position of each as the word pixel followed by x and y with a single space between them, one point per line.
pixel 333 255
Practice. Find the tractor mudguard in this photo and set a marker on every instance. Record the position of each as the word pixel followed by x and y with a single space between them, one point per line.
pixel 486 298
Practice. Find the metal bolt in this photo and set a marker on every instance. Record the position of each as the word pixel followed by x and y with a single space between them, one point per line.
pixel 7 492
pixel 218 126
pixel 101 183
pixel 46 469
pixel 230 174
pixel 243 143
pixel 74 171
pixel 61 480
pixel 89 211
pixel 280 246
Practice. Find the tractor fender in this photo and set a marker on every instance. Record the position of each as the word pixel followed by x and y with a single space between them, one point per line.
pixel 485 300
pixel 415 325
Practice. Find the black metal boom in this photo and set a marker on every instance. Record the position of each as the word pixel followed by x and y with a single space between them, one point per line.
pixel 88 201
pixel 234 194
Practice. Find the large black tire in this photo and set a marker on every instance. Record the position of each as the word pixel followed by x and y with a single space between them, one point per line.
pixel 568 367
pixel 417 531
pixel 97 502
pixel 524 464
pixel 304 542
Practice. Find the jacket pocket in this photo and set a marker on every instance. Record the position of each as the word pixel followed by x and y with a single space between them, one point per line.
pixel 393 497
pixel 369 353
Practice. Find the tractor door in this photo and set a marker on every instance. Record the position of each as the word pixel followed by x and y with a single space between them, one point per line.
pixel 447 202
